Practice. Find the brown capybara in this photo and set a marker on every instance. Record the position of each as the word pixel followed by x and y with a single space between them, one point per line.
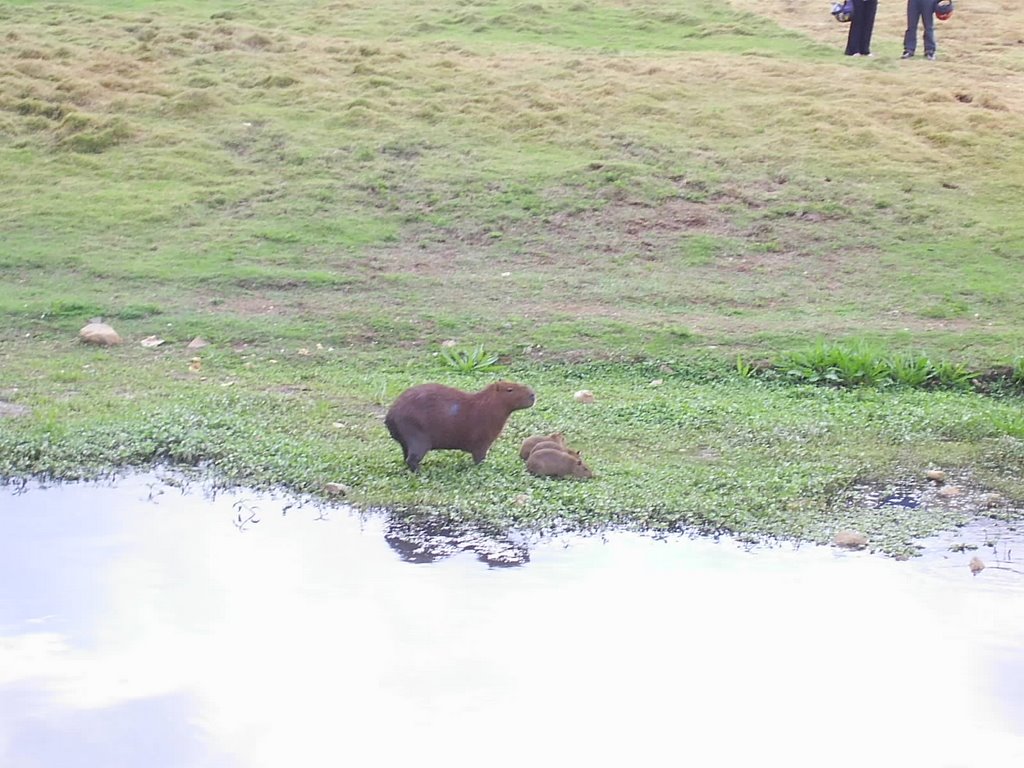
pixel 435 417
pixel 531 442
pixel 551 462
pixel 544 444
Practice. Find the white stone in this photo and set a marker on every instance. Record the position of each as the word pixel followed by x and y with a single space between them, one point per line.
pixel 99 333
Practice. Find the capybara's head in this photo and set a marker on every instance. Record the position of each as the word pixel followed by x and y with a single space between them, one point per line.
pixel 514 396
pixel 554 462
pixel 579 469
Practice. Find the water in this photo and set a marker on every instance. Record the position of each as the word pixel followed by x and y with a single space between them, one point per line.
pixel 145 625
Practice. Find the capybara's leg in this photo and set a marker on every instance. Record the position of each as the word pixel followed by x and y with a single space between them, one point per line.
pixel 415 452
pixel 405 451
pixel 480 454
pixel 398 438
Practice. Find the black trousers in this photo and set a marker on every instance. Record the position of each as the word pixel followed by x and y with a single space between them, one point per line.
pixel 859 40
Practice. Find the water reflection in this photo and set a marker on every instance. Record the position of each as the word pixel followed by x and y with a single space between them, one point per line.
pixel 426 541
pixel 142 625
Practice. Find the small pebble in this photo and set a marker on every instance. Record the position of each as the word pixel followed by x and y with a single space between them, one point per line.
pixel 990 500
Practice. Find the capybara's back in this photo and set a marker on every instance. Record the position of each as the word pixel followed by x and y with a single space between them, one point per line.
pixel 436 417
pixel 552 462
pixel 534 440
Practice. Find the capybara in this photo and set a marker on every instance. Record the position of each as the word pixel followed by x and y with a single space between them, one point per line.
pixel 531 442
pixel 558 446
pixel 435 417
pixel 551 462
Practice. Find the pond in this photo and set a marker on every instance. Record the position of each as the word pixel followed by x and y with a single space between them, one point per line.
pixel 147 621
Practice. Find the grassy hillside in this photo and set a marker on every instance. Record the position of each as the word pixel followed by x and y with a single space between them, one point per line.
pixel 602 193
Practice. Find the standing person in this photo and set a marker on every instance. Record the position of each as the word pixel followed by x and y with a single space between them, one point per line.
pixel 920 11
pixel 858 43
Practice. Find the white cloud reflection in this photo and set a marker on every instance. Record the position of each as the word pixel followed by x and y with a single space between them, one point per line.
pixel 309 643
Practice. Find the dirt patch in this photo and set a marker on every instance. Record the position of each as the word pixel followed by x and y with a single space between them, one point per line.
pixel 13 410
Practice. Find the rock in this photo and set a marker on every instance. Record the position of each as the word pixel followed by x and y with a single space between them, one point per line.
pixel 99 333
pixel 151 341
pixel 195 364
pixel 949 491
pixel 936 475
pixel 198 343
pixel 656 383
pixel 990 500
pixel 338 489
pixel 850 540
pixel 976 565
pixel 584 396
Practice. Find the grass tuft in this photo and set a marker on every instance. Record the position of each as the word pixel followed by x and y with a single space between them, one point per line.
pixel 862 364
pixel 469 360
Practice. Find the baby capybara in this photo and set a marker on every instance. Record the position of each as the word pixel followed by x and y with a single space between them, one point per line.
pixel 435 417
pixel 531 442
pixel 558 446
pixel 551 462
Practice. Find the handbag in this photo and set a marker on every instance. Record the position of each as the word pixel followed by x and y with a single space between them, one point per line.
pixel 843 11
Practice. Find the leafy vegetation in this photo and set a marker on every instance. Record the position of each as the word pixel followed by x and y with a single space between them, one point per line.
pixel 466 360
pixel 862 364
pixel 657 204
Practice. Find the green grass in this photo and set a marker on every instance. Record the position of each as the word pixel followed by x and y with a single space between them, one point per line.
pixel 598 194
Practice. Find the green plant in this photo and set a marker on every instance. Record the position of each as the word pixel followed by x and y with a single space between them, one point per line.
pixel 953 375
pixel 469 360
pixel 911 370
pixel 850 365
pixel 1017 371
pixel 743 368
pixel 862 364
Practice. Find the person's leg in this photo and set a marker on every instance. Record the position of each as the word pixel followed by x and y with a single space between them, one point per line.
pixel 869 9
pixel 910 37
pixel 928 17
pixel 856 25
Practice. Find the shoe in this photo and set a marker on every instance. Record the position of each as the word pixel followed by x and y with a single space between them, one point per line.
pixel 907 55
pixel 930 56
